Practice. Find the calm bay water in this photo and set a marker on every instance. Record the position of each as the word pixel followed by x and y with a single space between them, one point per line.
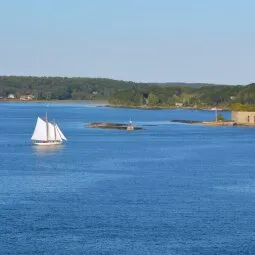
pixel 169 189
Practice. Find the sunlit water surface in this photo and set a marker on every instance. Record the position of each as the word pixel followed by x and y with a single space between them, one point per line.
pixel 169 189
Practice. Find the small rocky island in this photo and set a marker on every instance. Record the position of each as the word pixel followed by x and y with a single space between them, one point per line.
pixel 109 125
pixel 207 123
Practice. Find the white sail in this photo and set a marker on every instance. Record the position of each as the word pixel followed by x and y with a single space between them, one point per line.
pixel 40 132
pixel 60 133
pixel 47 133
pixel 53 133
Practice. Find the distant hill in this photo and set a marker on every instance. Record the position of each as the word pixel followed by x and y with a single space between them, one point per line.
pixel 120 92
pixel 184 84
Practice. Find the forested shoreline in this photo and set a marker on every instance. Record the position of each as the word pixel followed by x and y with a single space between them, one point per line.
pixel 132 94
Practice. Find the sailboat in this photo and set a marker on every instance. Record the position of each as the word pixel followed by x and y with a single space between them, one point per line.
pixel 47 133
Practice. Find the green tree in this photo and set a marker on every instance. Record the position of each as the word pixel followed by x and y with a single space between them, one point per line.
pixel 153 99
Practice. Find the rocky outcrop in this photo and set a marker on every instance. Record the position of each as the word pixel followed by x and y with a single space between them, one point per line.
pixel 109 125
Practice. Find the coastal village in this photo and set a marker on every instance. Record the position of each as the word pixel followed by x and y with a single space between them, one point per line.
pixel 11 97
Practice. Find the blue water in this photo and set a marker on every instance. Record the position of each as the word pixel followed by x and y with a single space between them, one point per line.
pixel 169 189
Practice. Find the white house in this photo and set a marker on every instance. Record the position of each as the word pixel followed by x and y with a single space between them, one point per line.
pixel 11 96
pixel 179 104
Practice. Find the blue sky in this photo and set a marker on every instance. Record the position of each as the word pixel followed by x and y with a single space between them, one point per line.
pixel 138 40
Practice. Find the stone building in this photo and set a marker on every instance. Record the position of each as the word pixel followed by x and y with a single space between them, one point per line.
pixel 243 117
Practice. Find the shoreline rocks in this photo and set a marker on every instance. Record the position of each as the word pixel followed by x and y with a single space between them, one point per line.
pixel 207 123
pixel 109 125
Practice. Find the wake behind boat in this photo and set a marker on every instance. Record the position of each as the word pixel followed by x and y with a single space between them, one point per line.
pixel 47 133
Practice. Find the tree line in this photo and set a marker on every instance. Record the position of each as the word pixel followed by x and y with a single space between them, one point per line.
pixel 128 93
pixel 60 88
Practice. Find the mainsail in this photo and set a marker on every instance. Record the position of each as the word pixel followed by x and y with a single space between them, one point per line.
pixel 40 132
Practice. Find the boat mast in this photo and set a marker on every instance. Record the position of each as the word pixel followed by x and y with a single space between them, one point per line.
pixel 54 124
pixel 47 127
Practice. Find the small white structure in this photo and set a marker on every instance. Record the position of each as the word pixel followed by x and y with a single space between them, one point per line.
pixel 27 97
pixel 11 96
pixel 130 126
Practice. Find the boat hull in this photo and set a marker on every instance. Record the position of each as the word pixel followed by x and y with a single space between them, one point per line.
pixel 50 143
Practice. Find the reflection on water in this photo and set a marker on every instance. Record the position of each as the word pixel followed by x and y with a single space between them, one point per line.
pixel 42 150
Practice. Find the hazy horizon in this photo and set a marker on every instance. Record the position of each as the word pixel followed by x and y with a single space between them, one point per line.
pixel 147 41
